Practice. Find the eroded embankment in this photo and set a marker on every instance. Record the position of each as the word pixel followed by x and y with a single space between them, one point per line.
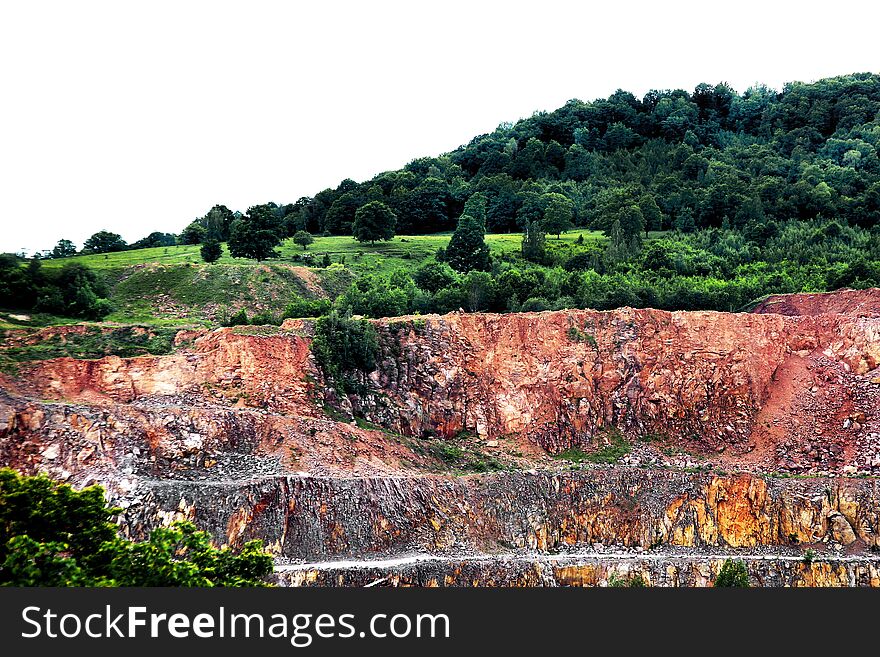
pixel 239 430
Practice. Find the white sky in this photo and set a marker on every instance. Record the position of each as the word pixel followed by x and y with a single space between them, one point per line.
pixel 139 116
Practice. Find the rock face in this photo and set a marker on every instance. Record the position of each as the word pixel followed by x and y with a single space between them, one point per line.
pixel 560 377
pixel 596 570
pixel 856 303
pixel 239 430
pixel 331 518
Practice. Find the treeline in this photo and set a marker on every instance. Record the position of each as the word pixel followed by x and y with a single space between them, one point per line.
pixel 682 160
pixel 709 158
pixel 69 291
pixel 712 269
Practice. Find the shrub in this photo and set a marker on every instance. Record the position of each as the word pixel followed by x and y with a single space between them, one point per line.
pixel 634 581
pixel 53 535
pixel 239 319
pixel 307 308
pixel 733 574
pixel 535 305
pixel 343 345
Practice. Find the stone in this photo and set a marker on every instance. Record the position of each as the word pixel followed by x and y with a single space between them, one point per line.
pixel 841 530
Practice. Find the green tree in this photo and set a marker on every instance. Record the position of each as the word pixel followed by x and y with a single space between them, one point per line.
pixel 303 238
pixel 467 249
pixel 154 239
pixel 64 249
pixel 343 345
pixel 558 214
pixel 211 251
pixel 104 242
pixel 479 287
pixel 733 574
pixel 256 234
pixel 653 217
pixel 194 233
pixel 374 221
pixel 684 222
pixel 217 222
pixel 433 276
pixel 632 223
pixel 475 206
pixel 534 242
pixel 53 535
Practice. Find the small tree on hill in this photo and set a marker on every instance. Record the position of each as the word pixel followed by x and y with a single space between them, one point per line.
pixel 104 242
pixel 467 250
pixel 211 251
pixel 374 221
pixel 64 249
pixel 256 234
pixel 558 214
pixel 533 242
pixel 193 234
pixel 303 238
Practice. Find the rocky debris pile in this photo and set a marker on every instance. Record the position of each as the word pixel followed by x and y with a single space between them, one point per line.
pixel 855 303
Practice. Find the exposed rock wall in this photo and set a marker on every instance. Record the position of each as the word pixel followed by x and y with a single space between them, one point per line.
pixel 584 571
pixel 699 379
pixel 560 377
pixel 320 519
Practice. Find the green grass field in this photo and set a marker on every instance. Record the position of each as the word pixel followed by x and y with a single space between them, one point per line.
pixel 403 251
pixel 172 286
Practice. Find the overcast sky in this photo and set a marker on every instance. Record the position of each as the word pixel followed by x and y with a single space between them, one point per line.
pixel 139 116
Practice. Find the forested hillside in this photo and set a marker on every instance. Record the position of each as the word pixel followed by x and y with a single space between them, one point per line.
pixel 687 160
pixel 679 200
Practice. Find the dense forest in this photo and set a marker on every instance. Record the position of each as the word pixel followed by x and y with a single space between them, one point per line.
pixel 757 193
pixel 705 159
pixel 707 199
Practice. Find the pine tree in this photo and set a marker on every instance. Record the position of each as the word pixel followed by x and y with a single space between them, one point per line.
pixel 467 250
pixel 211 251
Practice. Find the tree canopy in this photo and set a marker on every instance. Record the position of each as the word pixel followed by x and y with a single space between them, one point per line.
pixel 53 535
pixel 256 234
pixel 467 248
pixel 373 222
pixel 104 242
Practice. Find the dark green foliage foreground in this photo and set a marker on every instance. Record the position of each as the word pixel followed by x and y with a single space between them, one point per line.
pixel 72 291
pixel 53 535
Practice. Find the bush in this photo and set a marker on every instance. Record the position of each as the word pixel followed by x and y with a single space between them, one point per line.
pixel 307 308
pixel 635 581
pixel 238 319
pixel 53 535
pixel 433 276
pixel 733 574
pixel 343 345
pixel 265 318
pixel 535 305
